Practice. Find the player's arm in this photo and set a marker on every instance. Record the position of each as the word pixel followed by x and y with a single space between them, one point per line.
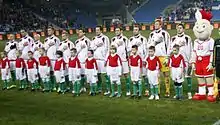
pixel 7 47
pixel 167 43
pixel 107 44
pixel 211 49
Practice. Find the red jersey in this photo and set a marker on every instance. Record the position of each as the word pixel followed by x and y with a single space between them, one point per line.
pixel 135 61
pixel 114 61
pixel 32 63
pixel 177 61
pixel 44 61
pixel 19 63
pixel 74 62
pixel 59 65
pixel 91 64
pixel 4 63
pixel 153 63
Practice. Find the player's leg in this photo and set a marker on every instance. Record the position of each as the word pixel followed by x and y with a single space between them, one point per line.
pixel 167 83
pixel 108 84
pixel 125 70
pixel 188 79
pixel 12 69
pixel 201 95
pixel 83 78
pixel 112 89
pixel 134 89
pixel 118 82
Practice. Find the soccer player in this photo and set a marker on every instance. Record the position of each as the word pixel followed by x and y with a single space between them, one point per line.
pixel 36 46
pixel 91 72
pixel 74 71
pixel 100 45
pixel 51 45
pixel 185 43
pixel 114 66
pixel 59 69
pixel 20 71
pixel 121 43
pixel 5 70
pixel 82 45
pixel 44 69
pixel 217 66
pixel 161 40
pixel 135 63
pixel 177 66
pixel 10 48
pixel 153 65
pixel 141 42
pixel 32 73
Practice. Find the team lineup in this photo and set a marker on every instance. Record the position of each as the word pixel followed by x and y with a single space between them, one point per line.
pixel 61 65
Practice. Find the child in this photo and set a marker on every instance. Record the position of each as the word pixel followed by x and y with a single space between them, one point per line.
pixel 135 63
pixel 114 70
pixel 32 73
pixel 44 69
pixel 177 65
pixel 91 72
pixel 59 69
pixel 5 70
pixel 153 65
pixel 20 71
pixel 74 71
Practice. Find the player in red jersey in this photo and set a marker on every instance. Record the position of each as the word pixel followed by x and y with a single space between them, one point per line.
pixel 5 70
pixel 177 66
pixel 20 71
pixel 44 70
pixel 32 73
pixel 91 72
pixel 59 69
pixel 74 69
pixel 135 63
pixel 114 65
pixel 153 65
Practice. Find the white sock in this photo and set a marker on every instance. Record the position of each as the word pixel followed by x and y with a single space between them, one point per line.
pixel 202 89
pixel 211 90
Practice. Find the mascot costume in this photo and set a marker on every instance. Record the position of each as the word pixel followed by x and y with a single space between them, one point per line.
pixel 202 57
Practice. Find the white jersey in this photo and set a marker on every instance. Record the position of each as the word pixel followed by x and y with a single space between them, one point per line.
pixel 161 40
pixel 51 45
pixel 10 48
pixel 100 45
pixel 141 42
pixel 25 45
pixel 35 49
pixel 121 43
pixel 185 43
pixel 65 47
pixel 82 46
pixel 204 48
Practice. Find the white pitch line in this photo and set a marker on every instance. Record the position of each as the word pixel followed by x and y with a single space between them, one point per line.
pixel 217 122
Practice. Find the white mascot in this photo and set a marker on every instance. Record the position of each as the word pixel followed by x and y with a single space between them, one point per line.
pixel 202 57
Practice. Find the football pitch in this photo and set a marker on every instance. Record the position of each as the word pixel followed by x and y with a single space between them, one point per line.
pixel 36 108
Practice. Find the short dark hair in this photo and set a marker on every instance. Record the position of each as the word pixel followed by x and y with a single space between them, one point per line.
pixel 176 46
pixel 181 25
pixel 119 28
pixel 152 48
pixel 59 53
pixel 30 52
pixel 42 49
pixel 113 47
pixel 135 46
pixel 74 50
pixel 100 27
pixel 83 29
pixel 50 27
pixel 91 51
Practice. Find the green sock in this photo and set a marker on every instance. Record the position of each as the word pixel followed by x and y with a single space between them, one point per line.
pixel 78 86
pixel 91 88
pixel 24 83
pixel 36 85
pixel 135 89
pixel 152 90
pixel 189 84
pixel 60 86
pixel 5 84
pixel 95 87
pixel 156 89
pixel 13 76
pixel 180 90
pixel 107 81
pixel 52 82
pixel 140 87
pixel 82 82
pixel 128 82
pixel 146 82
pixel 113 89
pixel 99 85
pixel 177 91
pixel 119 89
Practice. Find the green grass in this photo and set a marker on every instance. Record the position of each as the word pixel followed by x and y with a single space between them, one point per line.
pixel 26 108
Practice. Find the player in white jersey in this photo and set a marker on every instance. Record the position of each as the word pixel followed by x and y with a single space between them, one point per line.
pixel 100 45
pixel 11 48
pixel 51 45
pixel 185 43
pixel 141 42
pixel 161 40
pixel 121 43
pixel 36 46
pixel 82 46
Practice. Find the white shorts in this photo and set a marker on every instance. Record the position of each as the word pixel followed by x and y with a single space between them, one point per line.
pixel 135 73
pixel 114 74
pixel 32 75
pixel 91 75
pixel 59 77
pixel 12 65
pixel 101 66
pixel 153 77
pixel 5 74
pixel 20 75
pixel 177 74
pixel 82 70
pixel 74 74
pixel 125 68
pixel 44 72
pixel 52 65
pixel 188 73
